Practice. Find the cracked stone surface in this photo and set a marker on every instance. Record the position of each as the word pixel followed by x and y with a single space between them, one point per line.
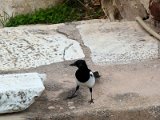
pixel 32 46
pixel 118 42
pixel 18 91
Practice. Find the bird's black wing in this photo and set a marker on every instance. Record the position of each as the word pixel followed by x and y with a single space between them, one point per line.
pixel 82 75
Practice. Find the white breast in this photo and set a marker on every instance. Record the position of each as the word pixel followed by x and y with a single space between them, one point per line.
pixel 90 83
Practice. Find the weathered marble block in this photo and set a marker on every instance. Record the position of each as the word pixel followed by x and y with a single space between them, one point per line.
pixel 118 42
pixel 32 46
pixel 17 91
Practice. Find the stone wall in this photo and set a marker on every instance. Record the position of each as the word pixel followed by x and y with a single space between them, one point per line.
pixel 24 6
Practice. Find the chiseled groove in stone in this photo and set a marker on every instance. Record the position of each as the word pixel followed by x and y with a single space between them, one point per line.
pixel 65 49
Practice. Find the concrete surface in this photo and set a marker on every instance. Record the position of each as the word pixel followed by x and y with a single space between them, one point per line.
pixel 18 91
pixel 124 91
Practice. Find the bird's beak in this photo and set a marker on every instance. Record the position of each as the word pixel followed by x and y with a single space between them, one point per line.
pixel 73 64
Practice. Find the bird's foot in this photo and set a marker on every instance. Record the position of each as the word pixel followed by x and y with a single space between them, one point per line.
pixel 91 101
pixel 72 96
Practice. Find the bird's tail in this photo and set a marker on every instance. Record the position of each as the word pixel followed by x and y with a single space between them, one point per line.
pixel 96 74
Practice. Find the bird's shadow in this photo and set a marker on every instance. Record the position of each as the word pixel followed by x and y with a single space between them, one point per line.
pixel 77 98
pixel 68 94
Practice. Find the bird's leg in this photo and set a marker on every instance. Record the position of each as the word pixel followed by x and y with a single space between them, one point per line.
pixel 73 95
pixel 91 101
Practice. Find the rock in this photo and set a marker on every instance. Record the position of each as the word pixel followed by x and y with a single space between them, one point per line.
pixel 61 108
pixel 145 4
pixel 110 9
pixel 131 9
pixel 72 107
pixel 33 46
pixel 118 42
pixel 18 91
pixel 51 107
pixel 70 103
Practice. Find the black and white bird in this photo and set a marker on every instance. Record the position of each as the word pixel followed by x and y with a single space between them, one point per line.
pixel 84 77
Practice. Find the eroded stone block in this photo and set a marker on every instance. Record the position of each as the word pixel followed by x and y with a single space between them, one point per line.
pixel 18 91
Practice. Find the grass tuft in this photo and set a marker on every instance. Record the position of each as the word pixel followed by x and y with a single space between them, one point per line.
pixel 70 10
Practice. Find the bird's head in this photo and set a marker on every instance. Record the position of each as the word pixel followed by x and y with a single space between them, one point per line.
pixel 79 63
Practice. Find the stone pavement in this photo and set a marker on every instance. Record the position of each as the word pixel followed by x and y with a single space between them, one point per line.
pixel 123 53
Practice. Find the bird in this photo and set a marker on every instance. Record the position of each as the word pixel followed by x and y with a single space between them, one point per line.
pixel 85 77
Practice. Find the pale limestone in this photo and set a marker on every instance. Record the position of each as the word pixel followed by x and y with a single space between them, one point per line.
pixel 33 46
pixel 18 91
pixel 118 42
